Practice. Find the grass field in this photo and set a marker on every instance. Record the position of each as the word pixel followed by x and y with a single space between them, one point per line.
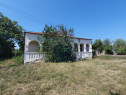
pixel 104 75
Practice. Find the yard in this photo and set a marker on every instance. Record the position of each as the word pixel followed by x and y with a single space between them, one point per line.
pixel 105 75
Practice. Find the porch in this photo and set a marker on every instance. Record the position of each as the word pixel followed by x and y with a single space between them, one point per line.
pixel 31 54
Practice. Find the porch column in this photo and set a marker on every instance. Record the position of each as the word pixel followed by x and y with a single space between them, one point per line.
pixel 84 47
pixel 90 47
pixel 78 47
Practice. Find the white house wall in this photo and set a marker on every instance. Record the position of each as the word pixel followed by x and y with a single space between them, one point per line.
pixel 31 37
pixel 82 41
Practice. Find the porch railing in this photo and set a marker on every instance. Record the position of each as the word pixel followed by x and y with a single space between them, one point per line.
pixel 83 55
pixel 33 55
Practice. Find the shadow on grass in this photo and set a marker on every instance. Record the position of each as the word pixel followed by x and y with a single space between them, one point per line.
pixel 111 93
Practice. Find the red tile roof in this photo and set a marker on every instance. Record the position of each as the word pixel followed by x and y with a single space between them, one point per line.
pixel 72 37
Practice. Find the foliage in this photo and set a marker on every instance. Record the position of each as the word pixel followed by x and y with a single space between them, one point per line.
pixel 62 53
pixel 18 59
pixel 107 42
pixel 56 45
pixel 108 46
pixel 6 48
pixel 17 52
pixel 120 43
pixel 98 45
pixel 120 46
pixel 10 33
pixel 108 50
pixel 15 60
pixel 93 53
pixel 121 51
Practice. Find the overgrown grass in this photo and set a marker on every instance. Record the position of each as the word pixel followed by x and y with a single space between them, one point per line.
pixel 16 60
pixel 111 57
pixel 100 76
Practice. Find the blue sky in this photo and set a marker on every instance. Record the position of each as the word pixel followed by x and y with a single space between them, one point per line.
pixel 89 18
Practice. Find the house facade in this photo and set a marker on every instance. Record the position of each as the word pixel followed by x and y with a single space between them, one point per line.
pixel 81 46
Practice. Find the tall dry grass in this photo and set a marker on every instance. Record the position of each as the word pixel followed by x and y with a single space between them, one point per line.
pixel 104 75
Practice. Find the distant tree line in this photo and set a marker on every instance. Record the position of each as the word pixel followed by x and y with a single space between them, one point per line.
pixel 109 47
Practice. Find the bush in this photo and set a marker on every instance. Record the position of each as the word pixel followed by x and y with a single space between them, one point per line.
pixel 18 59
pixel 94 53
pixel 73 57
pixel 121 52
pixel 61 53
pixel 108 50
pixel 17 53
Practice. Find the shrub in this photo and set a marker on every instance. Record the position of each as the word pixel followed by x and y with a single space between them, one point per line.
pixel 73 57
pixel 108 50
pixel 17 52
pixel 94 53
pixel 18 59
pixel 62 53
pixel 121 52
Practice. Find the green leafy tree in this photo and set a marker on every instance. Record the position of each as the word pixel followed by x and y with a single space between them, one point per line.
pixel 120 46
pixel 108 46
pixel 98 45
pixel 107 42
pixel 56 44
pixel 120 43
pixel 10 33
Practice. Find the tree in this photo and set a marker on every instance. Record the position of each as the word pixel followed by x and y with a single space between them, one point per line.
pixel 98 45
pixel 107 46
pixel 120 43
pixel 120 46
pixel 10 33
pixel 56 45
pixel 107 42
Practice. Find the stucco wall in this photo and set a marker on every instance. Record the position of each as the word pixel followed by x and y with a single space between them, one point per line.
pixel 32 37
